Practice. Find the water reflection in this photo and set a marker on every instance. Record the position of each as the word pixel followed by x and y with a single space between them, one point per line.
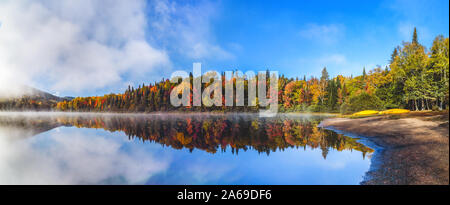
pixel 54 148
pixel 210 133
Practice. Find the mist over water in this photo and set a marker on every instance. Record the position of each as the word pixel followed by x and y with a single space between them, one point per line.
pixel 94 148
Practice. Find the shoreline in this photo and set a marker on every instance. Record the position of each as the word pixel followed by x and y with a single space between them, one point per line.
pixel 161 113
pixel 410 150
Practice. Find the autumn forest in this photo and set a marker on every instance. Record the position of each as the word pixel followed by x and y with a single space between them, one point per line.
pixel 416 78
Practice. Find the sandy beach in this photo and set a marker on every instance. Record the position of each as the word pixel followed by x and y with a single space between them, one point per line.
pixel 414 149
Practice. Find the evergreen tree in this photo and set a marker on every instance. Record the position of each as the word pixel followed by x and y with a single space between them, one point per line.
pixel 414 39
pixel 414 79
pixel 393 55
pixel 364 73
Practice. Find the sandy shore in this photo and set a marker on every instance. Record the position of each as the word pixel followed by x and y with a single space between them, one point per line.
pixel 413 150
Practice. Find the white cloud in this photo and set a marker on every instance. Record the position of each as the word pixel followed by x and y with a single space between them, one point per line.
pixel 186 29
pixel 75 46
pixel 327 34
pixel 75 157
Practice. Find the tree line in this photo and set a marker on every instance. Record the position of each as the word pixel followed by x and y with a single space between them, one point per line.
pixel 416 79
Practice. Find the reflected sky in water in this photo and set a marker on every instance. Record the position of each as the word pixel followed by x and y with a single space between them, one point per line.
pixel 184 149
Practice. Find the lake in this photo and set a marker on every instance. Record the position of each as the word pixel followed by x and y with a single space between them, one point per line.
pixel 88 148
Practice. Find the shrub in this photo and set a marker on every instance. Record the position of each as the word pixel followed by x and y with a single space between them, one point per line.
pixel 364 101
pixel 345 109
pixel 435 108
pixel 366 112
pixel 281 108
pixel 390 106
pixel 304 107
pixel 298 108
pixel 395 111
pixel 314 108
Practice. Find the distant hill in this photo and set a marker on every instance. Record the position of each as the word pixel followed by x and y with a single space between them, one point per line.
pixel 31 99
pixel 34 93
pixel 67 98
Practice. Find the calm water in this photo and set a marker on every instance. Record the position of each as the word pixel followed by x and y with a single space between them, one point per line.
pixel 55 148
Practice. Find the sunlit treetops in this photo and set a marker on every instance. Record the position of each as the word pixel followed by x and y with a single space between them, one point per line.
pixel 415 79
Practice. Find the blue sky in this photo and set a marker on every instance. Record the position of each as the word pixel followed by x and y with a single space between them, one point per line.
pixel 301 37
pixel 85 48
